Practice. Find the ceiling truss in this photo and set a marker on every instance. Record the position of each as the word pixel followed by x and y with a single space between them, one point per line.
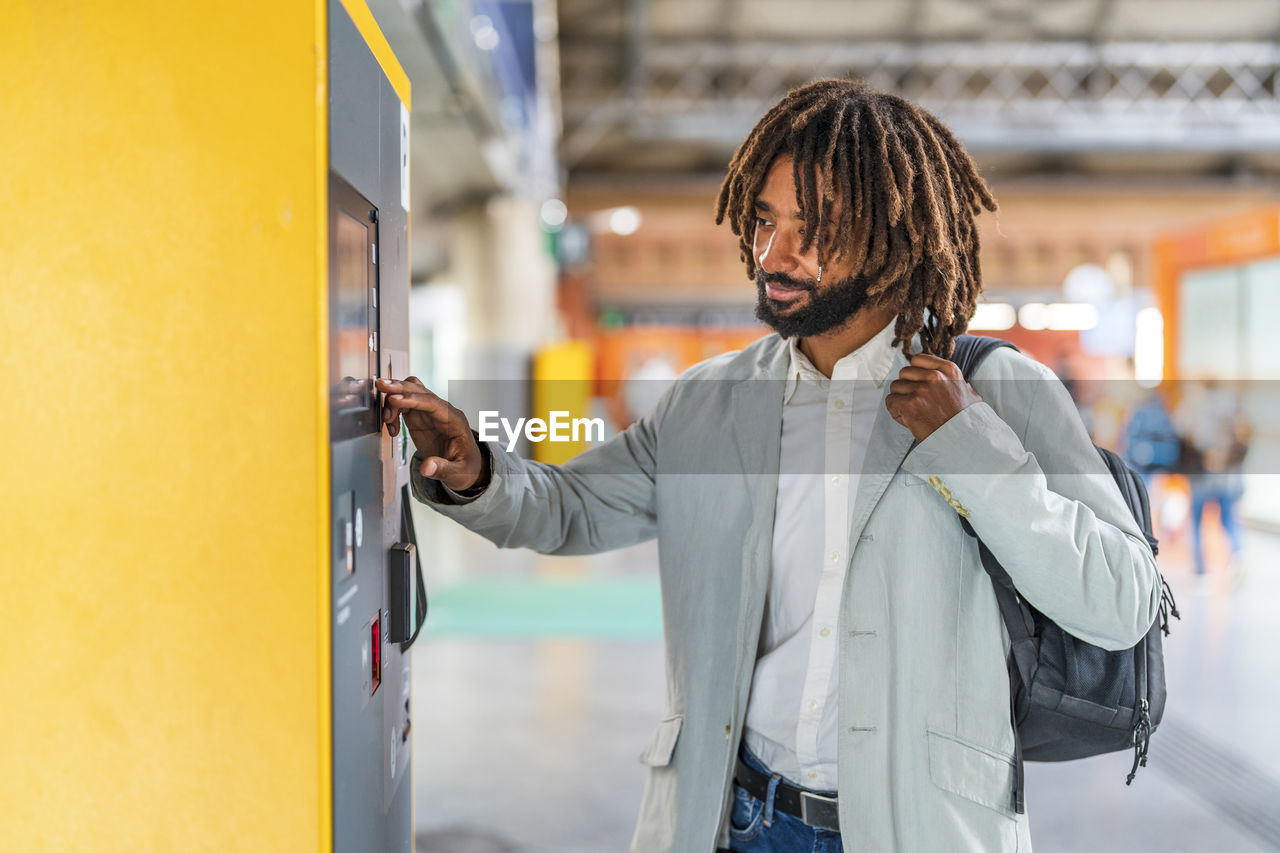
pixel 1065 96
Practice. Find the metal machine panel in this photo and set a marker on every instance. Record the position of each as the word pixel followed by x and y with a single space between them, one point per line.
pixel 354 122
pixel 372 744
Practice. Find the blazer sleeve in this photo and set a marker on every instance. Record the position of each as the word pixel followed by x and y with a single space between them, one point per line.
pixel 1023 467
pixel 603 498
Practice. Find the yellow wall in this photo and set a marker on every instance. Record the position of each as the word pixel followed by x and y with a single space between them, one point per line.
pixel 163 615
pixel 562 381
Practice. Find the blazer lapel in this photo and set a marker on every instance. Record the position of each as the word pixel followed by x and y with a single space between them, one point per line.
pixel 888 445
pixel 755 414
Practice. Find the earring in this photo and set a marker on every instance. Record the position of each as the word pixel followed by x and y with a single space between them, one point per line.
pixel 819 279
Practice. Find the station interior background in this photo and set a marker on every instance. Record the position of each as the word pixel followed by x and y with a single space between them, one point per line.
pixel 565 160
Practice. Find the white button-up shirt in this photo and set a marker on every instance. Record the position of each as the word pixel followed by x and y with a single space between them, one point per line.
pixel 792 716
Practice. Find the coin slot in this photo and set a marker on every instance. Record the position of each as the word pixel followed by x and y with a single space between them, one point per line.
pixel 375 643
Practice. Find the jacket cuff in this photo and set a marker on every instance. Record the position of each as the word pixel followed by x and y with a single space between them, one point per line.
pixel 978 465
pixel 974 441
pixel 432 491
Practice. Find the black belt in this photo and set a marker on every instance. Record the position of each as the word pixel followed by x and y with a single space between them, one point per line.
pixel 816 810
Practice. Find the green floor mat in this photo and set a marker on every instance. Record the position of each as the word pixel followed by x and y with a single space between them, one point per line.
pixel 600 608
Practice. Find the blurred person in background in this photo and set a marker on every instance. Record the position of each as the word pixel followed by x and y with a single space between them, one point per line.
pixel 1215 434
pixel 1149 444
pixel 836 659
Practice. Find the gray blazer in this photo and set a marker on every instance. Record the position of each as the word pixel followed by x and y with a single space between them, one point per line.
pixel 926 744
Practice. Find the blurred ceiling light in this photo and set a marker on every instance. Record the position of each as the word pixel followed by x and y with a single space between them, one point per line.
pixel 1032 316
pixel 1072 316
pixel 624 220
pixel 993 317
pixel 554 213
pixel 1148 348
pixel 485 34
pixel 1058 316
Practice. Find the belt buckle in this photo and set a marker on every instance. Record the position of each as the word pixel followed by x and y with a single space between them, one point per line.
pixel 806 798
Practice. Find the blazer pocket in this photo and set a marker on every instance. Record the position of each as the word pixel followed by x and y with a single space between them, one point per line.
pixel 972 771
pixel 663 742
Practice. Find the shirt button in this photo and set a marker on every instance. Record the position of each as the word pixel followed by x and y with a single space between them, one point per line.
pixel 726 732
pixel 813 704
pixel 835 556
pixel 825 632
pixel 839 404
pixel 812 775
pixel 836 479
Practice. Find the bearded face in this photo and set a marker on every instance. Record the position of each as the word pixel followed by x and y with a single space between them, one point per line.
pixel 794 296
pixel 795 307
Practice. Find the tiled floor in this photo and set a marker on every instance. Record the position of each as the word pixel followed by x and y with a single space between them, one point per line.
pixel 526 742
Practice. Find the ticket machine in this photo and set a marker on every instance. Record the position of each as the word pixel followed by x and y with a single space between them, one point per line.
pixel 376 591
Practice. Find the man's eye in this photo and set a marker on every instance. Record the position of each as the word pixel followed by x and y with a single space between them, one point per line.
pixel 762 223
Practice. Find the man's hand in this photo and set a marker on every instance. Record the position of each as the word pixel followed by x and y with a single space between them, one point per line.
pixel 928 393
pixel 439 431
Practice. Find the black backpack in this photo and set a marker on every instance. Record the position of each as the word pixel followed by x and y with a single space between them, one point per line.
pixel 1071 699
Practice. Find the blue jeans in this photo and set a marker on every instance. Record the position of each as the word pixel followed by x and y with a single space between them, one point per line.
pixel 756 827
pixel 1209 489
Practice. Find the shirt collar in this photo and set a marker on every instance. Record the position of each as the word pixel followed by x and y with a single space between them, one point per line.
pixel 873 360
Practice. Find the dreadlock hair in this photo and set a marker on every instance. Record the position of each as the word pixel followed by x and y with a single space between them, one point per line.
pixel 909 195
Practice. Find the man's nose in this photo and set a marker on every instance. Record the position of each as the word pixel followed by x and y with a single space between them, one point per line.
pixel 780 254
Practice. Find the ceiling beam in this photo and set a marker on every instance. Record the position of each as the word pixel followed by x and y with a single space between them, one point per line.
pixel 1103 14
pixel 635 71
pixel 1055 96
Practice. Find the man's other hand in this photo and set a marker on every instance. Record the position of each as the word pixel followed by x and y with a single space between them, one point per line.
pixel 439 431
pixel 927 393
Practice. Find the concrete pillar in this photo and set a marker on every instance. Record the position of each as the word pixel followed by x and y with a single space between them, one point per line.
pixel 500 258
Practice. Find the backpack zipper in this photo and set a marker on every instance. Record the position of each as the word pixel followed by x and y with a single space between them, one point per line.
pixel 1142 716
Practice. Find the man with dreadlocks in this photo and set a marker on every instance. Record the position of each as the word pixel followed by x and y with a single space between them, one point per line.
pixel 836 660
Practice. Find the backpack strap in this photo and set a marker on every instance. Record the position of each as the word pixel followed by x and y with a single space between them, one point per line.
pixel 1023 661
pixel 1134 493
pixel 971 350
pixel 969 353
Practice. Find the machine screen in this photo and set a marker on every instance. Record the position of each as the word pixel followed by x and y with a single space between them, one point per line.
pixel 352 390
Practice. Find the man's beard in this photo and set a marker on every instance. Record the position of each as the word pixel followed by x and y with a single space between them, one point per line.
pixel 826 308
